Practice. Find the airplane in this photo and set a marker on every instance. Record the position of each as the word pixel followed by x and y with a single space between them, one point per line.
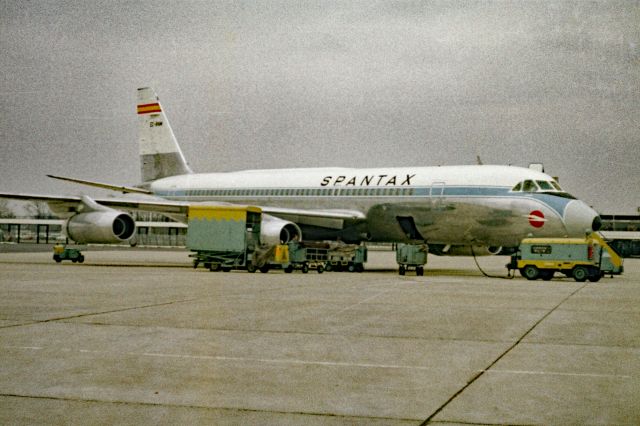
pixel 456 210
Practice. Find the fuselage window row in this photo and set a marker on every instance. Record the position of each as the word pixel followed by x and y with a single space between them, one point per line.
pixel 319 192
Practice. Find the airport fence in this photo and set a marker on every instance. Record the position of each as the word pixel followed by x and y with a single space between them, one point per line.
pixel 49 231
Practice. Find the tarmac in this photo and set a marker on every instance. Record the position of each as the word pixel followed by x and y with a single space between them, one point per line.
pixel 140 337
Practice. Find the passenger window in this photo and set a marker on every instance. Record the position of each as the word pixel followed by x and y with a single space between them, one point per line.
pixel 544 185
pixel 518 187
pixel 529 186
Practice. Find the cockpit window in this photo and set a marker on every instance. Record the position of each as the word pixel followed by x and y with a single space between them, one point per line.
pixel 544 185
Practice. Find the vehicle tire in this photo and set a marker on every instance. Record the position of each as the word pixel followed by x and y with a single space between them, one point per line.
pixel 264 269
pixel 214 267
pixel 402 270
pixel 288 269
pixel 320 269
pixel 546 274
pixel 351 267
pixel 305 268
pixel 420 271
pixel 226 269
pixel 57 258
pixel 207 265
pixel 80 258
pixel 530 272
pixel 595 277
pixel 359 267
pixel 74 260
pixel 580 274
pixel 251 268
pixel 328 267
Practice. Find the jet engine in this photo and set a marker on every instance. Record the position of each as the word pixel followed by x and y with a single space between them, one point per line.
pixel 277 231
pixel 105 226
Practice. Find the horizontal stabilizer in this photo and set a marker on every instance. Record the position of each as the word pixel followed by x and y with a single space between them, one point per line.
pixel 123 189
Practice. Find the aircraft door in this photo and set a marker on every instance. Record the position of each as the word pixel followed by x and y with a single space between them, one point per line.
pixel 437 194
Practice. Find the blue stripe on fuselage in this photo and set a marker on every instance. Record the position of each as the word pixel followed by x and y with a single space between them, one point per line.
pixel 555 202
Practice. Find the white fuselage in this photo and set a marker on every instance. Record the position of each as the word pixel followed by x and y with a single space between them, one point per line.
pixel 443 205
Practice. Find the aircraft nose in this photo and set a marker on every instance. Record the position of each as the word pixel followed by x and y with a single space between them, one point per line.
pixel 579 219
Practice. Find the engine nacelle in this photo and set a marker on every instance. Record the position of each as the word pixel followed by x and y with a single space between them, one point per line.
pixel 105 226
pixel 277 231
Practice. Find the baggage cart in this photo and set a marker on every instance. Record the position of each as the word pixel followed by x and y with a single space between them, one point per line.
pixel 306 256
pixel 61 252
pixel 412 256
pixel 346 257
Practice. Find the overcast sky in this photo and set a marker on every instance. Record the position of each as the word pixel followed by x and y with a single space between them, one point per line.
pixel 303 84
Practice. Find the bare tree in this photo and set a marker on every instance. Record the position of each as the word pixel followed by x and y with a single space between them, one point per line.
pixel 5 209
pixel 39 210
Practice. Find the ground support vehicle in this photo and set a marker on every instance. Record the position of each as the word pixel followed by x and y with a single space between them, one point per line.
pixel 61 252
pixel 588 258
pixel 224 237
pixel 306 256
pixel 346 257
pixel 412 256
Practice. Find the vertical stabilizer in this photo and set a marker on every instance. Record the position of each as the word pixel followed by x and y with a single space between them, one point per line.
pixel 160 154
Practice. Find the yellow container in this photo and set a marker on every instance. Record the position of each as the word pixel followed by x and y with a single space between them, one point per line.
pixel 281 254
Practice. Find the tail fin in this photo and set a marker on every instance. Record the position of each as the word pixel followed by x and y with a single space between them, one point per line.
pixel 160 154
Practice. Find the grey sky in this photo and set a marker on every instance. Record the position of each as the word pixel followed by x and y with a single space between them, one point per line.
pixel 303 84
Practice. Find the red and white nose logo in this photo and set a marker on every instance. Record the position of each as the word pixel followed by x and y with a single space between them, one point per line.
pixel 536 219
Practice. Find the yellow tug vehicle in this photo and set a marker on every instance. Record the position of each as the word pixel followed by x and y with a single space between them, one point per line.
pixel 588 258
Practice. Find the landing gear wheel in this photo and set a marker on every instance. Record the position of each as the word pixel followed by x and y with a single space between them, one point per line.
pixel 580 274
pixel 530 272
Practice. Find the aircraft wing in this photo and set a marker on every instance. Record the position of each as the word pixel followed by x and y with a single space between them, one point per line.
pixel 326 218
pixel 65 206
